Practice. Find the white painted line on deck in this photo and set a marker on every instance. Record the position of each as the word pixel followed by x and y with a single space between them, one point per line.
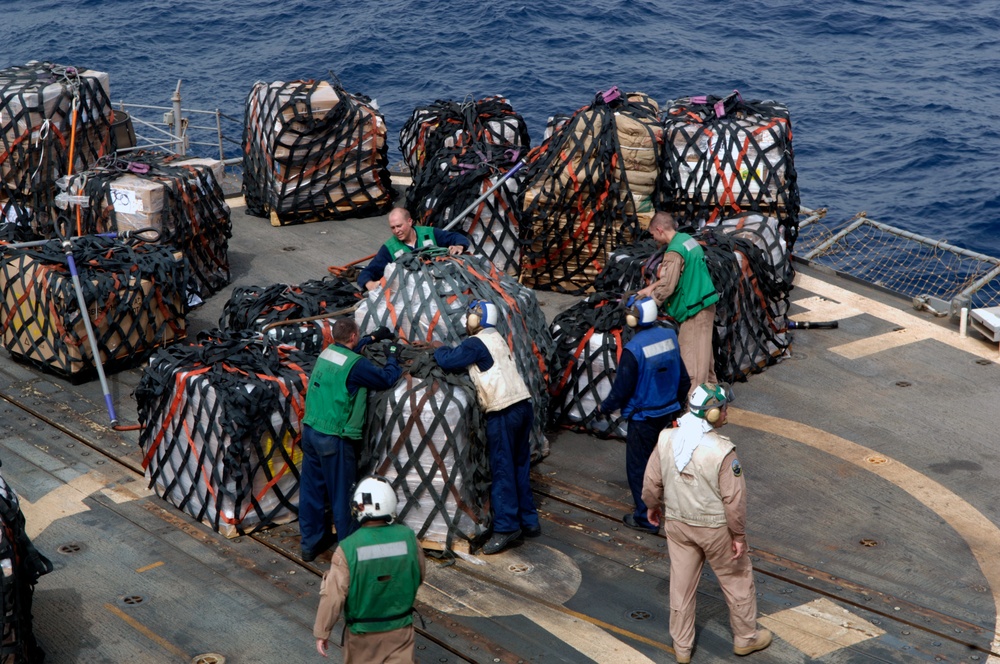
pixel 820 627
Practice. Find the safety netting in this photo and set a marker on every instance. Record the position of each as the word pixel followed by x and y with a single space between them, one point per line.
pixel 221 429
pixel 426 435
pixel 313 151
pixel 277 311
pixel 588 190
pixel 726 156
pixel 54 120
pixel 22 565
pixel 179 198
pixel 134 294
pixel 425 298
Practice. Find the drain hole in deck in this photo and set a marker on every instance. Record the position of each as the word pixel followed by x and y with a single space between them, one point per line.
pixel 131 600
pixel 209 658
pixel 638 614
pixel 70 548
pixel 868 542
pixel 519 568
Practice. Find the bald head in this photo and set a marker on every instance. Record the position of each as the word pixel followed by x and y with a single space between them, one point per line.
pixel 401 225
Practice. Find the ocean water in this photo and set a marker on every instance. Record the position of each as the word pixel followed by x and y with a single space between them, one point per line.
pixel 893 103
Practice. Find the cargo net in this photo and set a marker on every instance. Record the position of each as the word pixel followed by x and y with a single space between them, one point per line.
pixel 588 190
pixel 725 156
pixel 446 125
pixel 589 337
pixel 22 565
pixel 425 298
pixel 179 198
pixel 277 311
pixel 49 114
pixel 312 151
pixel 427 436
pixel 134 294
pixel 221 429
pixel 939 277
pixel 452 180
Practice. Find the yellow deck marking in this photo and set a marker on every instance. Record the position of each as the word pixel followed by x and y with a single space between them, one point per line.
pixel 820 627
pixel 822 309
pixel 877 344
pixel 65 500
pixel 236 201
pixel 148 633
pixel 149 567
pixel 982 536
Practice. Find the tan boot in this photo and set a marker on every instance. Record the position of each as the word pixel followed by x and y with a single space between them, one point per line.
pixel 762 641
pixel 682 658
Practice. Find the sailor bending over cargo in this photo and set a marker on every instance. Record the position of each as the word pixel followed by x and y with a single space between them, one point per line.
pixel 650 386
pixel 694 483
pixel 685 291
pixel 504 397
pixel 406 238
pixel 373 579
pixel 336 403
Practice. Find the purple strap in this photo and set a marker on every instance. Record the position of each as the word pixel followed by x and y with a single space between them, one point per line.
pixel 138 167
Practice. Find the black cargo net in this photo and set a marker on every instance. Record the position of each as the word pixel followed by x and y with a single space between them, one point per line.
pixel 134 293
pixel 448 124
pixel 272 307
pixel 722 157
pixel 452 180
pixel 427 436
pixel 425 298
pixel 221 429
pixel 22 565
pixel 628 268
pixel 585 190
pixel 181 198
pixel 49 114
pixel 312 151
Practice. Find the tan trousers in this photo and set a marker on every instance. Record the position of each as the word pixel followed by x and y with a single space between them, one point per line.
pixel 395 647
pixel 695 340
pixel 689 547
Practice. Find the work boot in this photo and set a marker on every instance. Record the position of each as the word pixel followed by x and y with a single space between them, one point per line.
pixel 682 657
pixel 500 541
pixel 532 532
pixel 762 641
pixel 629 520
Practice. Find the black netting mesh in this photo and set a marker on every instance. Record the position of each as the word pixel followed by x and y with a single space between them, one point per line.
pixel 256 307
pixel 722 157
pixel 312 151
pixel 48 112
pixel 221 429
pixel 425 298
pixel 21 566
pixel 589 190
pixel 135 296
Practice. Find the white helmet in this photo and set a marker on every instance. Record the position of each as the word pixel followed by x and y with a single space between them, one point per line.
pixel 374 498
pixel 640 312
pixel 481 314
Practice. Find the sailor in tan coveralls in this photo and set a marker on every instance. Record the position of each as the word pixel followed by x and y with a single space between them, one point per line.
pixel 695 475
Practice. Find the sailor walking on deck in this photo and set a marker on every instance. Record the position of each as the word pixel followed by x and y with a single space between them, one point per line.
pixel 373 578
pixel 685 290
pixel 650 385
pixel 696 475
pixel 406 238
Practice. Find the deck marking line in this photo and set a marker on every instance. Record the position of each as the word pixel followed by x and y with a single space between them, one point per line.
pixel 148 633
pixel 880 342
pixel 886 312
pixel 820 627
pixel 236 201
pixel 821 308
pixel 982 536
pixel 65 500
pixel 149 567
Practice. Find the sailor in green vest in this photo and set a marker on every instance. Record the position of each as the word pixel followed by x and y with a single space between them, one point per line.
pixel 685 292
pixel 406 238
pixel 373 579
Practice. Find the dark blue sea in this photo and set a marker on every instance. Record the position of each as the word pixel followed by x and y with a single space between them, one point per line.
pixel 894 104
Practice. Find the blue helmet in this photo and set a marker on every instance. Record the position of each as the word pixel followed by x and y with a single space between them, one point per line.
pixel 481 314
pixel 640 312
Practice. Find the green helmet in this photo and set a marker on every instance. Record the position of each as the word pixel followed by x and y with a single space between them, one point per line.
pixel 707 400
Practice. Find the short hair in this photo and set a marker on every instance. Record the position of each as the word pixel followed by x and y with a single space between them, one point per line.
pixel 403 210
pixel 664 220
pixel 344 329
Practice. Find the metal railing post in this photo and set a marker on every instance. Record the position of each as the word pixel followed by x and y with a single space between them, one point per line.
pixel 177 128
pixel 218 126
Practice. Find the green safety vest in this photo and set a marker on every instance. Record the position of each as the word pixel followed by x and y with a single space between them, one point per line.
pixel 385 575
pixel 425 238
pixel 694 290
pixel 329 408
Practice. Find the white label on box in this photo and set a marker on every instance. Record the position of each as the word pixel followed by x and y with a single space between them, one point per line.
pixel 125 201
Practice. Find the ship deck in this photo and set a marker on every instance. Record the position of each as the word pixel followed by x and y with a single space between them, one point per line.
pixel 873 513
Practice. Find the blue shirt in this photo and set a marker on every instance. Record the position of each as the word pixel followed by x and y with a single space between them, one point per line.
pixel 376 268
pixel 366 373
pixel 627 378
pixel 470 351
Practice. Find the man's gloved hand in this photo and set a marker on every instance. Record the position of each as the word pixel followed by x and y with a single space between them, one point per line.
pixel 393 350
pixel 382 333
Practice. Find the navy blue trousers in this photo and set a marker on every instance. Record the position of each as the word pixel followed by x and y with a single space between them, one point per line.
pixel 327 478
pixel 508 434
pixel 640 441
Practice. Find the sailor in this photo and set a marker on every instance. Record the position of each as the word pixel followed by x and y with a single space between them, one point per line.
pixel 650 385
pixel 695 474
pixel 685 291
pixel 406 238
pixel 373 578
pixel 336 403
pixel 504 397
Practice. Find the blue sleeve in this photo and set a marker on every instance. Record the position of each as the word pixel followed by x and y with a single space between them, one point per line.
pixel 366 373
pixel 375 268
pixel 623 388
pixel 470 351
pixel 448 238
